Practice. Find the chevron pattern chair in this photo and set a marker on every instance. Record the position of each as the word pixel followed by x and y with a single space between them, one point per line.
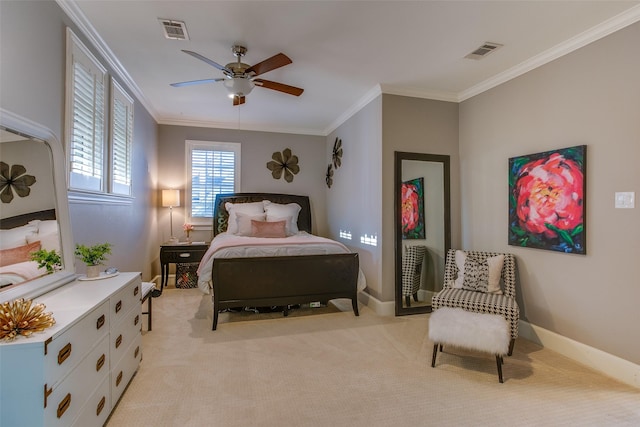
pixel 482 302
pixel 412 259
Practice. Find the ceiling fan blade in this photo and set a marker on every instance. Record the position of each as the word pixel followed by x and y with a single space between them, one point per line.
pixel 238 100
pixel 208 61
pixel 291 90
pixel 276 61
pixel 195 82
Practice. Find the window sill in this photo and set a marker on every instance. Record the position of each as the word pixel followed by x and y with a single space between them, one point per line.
pixel 89 197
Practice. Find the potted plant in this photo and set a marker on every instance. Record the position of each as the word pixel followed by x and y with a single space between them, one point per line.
pixel 93 256
pixel 48 259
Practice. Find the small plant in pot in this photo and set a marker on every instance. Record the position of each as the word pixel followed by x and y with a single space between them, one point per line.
pixel 93 256
pixel 47 259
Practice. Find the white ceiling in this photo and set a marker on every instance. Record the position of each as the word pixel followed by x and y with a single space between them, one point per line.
pixel 344 52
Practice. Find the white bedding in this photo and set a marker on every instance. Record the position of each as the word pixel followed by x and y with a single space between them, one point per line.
pixel 20 272
pixel 233 246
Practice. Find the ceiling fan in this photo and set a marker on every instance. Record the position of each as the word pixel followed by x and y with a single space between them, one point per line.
pixel 240 78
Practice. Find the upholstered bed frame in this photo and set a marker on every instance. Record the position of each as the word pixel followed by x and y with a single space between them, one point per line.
pixel 279 281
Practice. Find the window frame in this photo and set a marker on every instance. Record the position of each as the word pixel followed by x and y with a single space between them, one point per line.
pixel 118 94
pixel 206 223
pixel 77 52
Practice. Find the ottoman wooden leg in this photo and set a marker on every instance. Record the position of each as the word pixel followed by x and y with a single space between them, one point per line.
pixel 499 363
pixel 433 358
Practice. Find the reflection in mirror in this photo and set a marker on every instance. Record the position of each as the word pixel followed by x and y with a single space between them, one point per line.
pixel 27 207
pixel 422 228
pixel 34 212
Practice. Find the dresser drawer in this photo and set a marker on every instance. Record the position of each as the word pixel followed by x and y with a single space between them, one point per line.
pixel 123 334
pixel 66 350
pixel 124 370
pixel 67 399
pixel 98 406
pixel 124 300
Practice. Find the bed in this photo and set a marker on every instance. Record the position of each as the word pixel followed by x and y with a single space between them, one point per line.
pixel 248 271
pixel 19 237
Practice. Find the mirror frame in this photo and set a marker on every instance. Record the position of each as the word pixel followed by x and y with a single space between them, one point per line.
pixel 399 156
pixel 49 282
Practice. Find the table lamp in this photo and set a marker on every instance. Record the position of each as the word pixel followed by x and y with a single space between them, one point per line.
pixel 171 198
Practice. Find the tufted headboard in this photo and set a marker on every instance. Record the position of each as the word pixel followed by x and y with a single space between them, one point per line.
pixel 220 214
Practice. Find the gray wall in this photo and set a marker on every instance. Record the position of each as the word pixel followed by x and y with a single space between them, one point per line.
pixel 592 97
pixel 32 82
pixel 256 150
pixel 354 200
pixel 420 126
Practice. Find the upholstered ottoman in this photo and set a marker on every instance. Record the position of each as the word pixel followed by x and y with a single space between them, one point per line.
pixel 482 332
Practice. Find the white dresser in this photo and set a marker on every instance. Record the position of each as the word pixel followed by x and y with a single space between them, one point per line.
pixel 73 373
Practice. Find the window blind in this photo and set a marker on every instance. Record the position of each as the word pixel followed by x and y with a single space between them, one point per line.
pixel 121 140
pixel 212 173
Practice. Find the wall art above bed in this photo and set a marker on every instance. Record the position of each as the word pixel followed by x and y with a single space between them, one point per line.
pixel 283 163
pixel 547 200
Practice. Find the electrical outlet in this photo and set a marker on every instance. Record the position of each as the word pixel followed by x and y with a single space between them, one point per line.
pixel 315 304
pixel 625 200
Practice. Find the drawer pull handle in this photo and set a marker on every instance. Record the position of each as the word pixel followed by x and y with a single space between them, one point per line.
pixel 135 291
pixel 118 306
pixel 100 322
pixel 119 379
pixel 64 353
pixel 101 405
pixel 64 405
pixel 184 255
pixel 118 340
pixel 136 320
pixel 100 362
pixel 46 394
pixel 135 353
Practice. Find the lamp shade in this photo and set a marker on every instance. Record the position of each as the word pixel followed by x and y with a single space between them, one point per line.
pixel 170 198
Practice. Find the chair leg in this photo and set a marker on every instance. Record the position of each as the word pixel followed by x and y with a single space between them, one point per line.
pixel 407 300
pixel 415 297
pixel 499 363
pixel 511 345
pixel 440 348
pixel 433 357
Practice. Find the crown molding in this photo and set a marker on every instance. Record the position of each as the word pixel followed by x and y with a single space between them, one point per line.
pixel 618 22
pixel 72 10
pixel 372 94
pixel 175 121
pixel 420 93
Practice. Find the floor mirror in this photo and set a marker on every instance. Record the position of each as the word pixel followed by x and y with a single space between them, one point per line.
pixel 422 228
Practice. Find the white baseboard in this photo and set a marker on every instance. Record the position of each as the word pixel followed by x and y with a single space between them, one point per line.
pixel 381 308
pixel 613 366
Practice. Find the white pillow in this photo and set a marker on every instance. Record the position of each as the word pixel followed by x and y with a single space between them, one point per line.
pixel 461 257
pixel 278 212
pixel 48 241
pixel 47 227
pixel 495 270
pixel 253 208
pixel 243 221
pixel 17 236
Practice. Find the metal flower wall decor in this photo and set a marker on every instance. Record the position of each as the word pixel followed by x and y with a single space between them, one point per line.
pixel 329 176
pixel 337 153
pixel 284 163
pixel 14 179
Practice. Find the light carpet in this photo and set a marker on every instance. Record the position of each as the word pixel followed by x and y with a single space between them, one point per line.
pixel 326 367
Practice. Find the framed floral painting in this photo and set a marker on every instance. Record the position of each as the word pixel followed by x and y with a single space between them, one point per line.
pixel 413 209
pixel 547 200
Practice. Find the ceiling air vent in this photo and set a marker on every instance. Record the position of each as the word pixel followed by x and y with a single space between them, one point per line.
pixel 483 50
pixel 174 30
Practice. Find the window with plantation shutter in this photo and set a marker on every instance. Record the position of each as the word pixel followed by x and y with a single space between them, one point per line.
pixel 212 168
pixel 121 139
pixel 86 117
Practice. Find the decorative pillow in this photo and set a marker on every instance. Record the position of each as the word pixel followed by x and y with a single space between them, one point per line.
pixel 495 272
pixel 476 274
pixel 17 236
pixel 460 259
pixel 268 229
pixel 244 222
pixel 49 241
pixel 19 254
pixel 253 208
pixel 277 212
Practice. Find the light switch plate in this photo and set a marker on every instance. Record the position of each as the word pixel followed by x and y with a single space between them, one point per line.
pixel 625 200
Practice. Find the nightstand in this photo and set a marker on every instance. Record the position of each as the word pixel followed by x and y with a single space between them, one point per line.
pixel 178 253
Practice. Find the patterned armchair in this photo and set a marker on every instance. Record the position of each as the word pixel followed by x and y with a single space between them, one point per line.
pixel 412 259
pixel 482 302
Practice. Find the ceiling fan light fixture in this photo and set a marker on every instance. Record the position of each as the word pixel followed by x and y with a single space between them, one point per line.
pixel 239 86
